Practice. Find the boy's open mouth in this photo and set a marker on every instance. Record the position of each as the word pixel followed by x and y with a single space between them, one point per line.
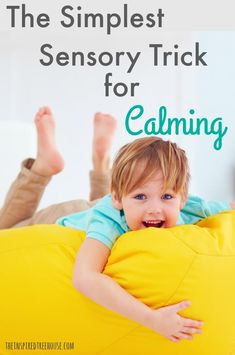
pixel 155 224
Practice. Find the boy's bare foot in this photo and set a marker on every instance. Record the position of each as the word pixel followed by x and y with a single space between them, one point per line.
pixel 104 128
pixel 48 161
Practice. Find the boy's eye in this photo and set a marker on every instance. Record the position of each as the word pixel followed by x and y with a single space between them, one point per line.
pixel 167 197
pixel 140 197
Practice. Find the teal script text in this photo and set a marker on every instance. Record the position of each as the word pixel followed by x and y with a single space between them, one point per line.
pixel 163 125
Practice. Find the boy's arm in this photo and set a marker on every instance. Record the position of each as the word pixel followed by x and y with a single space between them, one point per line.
pixel 88 279
pixel 232 204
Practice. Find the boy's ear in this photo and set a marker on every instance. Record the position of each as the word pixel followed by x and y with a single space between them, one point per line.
pixel 116 203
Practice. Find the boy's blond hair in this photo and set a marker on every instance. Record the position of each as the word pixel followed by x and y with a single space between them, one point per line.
pixel 138 161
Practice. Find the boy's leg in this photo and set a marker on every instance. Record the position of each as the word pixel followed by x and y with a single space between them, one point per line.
pixel 104 127
pixel 23 196
pixel 50 214
pixel 25 193
pixel 103 130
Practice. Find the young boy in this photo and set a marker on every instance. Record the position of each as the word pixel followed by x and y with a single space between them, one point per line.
pixel 149 189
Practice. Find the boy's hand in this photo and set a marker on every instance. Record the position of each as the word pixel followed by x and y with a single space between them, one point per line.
pixel 167 322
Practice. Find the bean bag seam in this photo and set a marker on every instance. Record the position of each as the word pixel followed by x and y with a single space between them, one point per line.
pixel 181 281
pixel 165 303
pixel 119 339
pixel 200 253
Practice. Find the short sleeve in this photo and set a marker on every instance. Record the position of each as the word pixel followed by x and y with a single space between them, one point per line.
pixel 103 229
pixel 106 223
pixel 103 222
pixel 215 207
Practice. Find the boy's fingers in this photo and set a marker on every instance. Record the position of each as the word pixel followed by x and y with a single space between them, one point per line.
pixel 191 330
pixel 192 323
pixel 182 305
pixel 183 335
pixel 174 339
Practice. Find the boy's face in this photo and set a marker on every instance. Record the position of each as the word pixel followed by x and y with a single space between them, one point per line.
pixel 150 206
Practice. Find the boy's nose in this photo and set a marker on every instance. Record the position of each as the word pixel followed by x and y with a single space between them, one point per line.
pixel 154 208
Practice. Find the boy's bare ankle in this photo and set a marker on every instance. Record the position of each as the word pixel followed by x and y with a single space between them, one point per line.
pixel 101 166
pixel 49 161
pixel 104 128
pixel 47 169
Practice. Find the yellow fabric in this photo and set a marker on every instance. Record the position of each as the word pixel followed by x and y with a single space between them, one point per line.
pixel 158 266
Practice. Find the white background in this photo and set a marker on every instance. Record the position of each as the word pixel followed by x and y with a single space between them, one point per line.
pixel 75 93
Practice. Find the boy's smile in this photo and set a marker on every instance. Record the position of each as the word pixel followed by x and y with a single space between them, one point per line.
pixel 150 206
pixel 154 223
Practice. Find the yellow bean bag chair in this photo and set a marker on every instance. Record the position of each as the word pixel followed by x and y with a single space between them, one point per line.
pixel 41 312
